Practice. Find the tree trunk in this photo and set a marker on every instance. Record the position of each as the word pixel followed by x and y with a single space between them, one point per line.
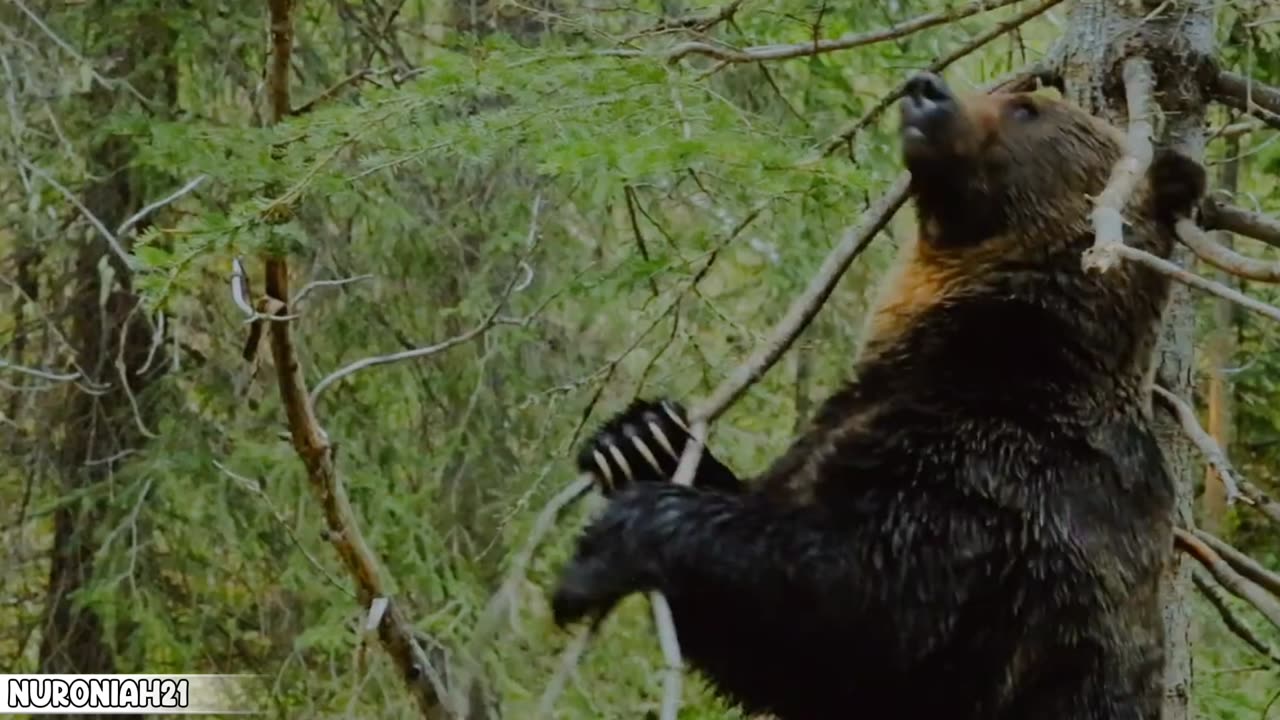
pixel 107 327
pixel 1176 36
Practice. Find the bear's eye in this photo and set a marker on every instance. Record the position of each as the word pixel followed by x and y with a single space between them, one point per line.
pixel 1024 111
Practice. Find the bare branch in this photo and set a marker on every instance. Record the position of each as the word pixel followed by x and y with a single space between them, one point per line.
pixel 505 598
pixel 42 374
pixel 845 136
pixel 67 48
pixel 1245 94
pixel 1226 576
pixel 1214 288
pixel 764 53
pixel 1242 563
pixel 569 659
pixel 1261 500
pixel 1217 214
pixel 1108 218
pixel 255 487
pixel 1224 258
pixel 171 197
pixel 805 307
pixel 1202 440
pixel 1214 594
pixel 331 91
pixel 1234 130
pixel 490 321
pixel 701 22
pixel 317 284
pixel 97 224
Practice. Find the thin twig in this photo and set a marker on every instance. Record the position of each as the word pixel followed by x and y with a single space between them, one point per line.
pixel 171 197
pixel 1227 577
pixel 1238 627
pixel 330 91
pixel 1203 441
pixel 1107 216
pixel 1234 130
pixel 493 319
pixel 700 23
pixel 764 53
pixel 804 308
pixel 846 135
pixel 569 661
pixel 1223 257
pixel 317 284
pixel 84 62
pixel 255 487
pixel 42 374
pixel 97 224
pixel 505 598
pixel 1261 501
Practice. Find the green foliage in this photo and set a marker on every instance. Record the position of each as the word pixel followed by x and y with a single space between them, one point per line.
pixel 423 175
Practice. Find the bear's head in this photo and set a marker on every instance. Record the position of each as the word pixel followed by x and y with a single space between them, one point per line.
pixel 1004 188
pixel 1024 167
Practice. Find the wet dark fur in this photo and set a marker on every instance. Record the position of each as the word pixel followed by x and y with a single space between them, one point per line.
pixel 975 527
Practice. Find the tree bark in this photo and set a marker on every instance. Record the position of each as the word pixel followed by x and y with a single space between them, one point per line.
pixel 107 327
pixel 1177 37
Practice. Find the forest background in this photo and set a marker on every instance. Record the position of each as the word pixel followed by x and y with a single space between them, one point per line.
pixel 500 222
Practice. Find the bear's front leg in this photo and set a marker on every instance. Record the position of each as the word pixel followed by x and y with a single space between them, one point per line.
pixel 687 542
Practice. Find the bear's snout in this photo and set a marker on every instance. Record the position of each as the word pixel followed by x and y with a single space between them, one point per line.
pixel 928 109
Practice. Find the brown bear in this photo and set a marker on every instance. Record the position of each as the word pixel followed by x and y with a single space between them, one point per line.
pixel 975 526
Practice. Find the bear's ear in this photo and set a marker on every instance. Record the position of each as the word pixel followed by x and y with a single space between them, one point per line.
pixel 1176 183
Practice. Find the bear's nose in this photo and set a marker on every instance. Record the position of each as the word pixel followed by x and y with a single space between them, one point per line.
pixel 928 110
pixel 928 87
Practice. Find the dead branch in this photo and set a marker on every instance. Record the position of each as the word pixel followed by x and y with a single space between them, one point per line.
pixel 332 90
pixel 1203 441
pixel 699 23
pixel 1227 577
pixel 112 241
pixel 1217 214
pixel 505 598
pixel 1107 216
pixel 1223 257
pixel 1242 563
pixel 312 443
pixel 1234 130
pixel 1214 288
pixel 569 659
pixel 1217 458
pixel 1247 95
pixel 845 136
pixel 1260 500
pixel 765 53
pixel 1238 627
pixel 41 374
pixel 490 321
pixel 317 284
pixel 137 217
pixel 804 308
